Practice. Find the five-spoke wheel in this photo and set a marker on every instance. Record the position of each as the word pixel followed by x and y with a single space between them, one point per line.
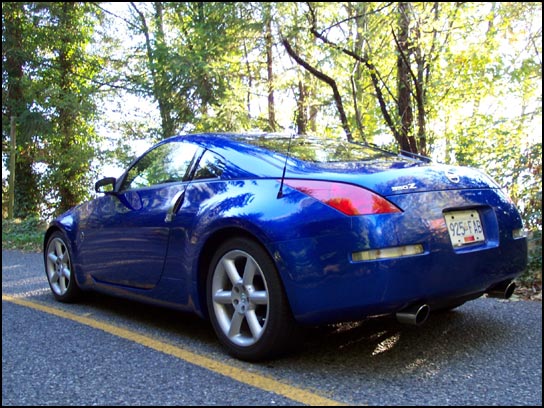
pixel 59 270
pixel 246 301
pixel 240 297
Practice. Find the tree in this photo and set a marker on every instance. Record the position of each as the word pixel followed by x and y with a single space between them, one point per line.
pixel 186 71
pixel 414 58
pixel 70 144
pixel 431 78
pixel 46 51
pixel 267 14
pixel 16 50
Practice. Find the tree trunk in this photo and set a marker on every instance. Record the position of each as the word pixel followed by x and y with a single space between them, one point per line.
pixel 361 27
pixel 302 118
pixel 26 190
pixel 325 78
pixel 167 125
pixel 67 111
pixel 404 90
pixel 269 67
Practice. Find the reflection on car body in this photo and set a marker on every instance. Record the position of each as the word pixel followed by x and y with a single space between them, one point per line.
pixel 263 234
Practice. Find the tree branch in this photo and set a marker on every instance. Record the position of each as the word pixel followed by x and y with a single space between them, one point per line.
pixel 325 78
pixel 375 81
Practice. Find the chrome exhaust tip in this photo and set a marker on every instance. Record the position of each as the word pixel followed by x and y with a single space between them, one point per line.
pixel 414 315
pixel 502 290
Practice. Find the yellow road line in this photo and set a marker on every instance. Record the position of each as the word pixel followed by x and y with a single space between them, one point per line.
pixel 256 380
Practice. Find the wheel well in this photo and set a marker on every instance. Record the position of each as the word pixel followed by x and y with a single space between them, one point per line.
pixel 207 253
pixel 48 233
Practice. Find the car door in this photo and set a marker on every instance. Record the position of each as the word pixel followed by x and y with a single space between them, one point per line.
pixel 125 237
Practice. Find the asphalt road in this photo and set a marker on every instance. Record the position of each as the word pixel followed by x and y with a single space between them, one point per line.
pixel 106 351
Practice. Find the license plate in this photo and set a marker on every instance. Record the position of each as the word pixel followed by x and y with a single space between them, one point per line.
pixel 464 227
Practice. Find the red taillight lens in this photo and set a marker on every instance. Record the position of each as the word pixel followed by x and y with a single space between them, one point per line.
pixel 347 198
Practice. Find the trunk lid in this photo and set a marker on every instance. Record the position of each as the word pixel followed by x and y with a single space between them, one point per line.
pixel 390 178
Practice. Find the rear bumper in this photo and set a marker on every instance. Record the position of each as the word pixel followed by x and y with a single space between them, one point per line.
pixel 333 289
pixel 324 285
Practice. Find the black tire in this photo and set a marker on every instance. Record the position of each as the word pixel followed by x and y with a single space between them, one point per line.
pixel 247 304
pixel 59 269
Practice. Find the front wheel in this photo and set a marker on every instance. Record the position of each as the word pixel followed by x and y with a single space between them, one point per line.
pixel 59 269
pixel 247 305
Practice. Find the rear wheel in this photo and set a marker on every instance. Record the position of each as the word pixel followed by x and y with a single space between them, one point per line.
pixel 59 269
pixel 247 305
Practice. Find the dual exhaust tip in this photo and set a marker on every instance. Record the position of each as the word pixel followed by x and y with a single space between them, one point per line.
pixel 417 314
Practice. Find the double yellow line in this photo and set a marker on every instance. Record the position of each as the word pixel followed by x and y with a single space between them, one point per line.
pixel 256 380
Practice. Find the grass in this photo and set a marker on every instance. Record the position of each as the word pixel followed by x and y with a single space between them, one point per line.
pixel 25 235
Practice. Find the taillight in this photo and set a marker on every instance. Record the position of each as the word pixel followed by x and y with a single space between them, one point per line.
pixel 347 198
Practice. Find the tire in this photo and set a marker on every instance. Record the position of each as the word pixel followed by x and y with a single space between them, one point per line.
pixel 59 269
pixel 246 302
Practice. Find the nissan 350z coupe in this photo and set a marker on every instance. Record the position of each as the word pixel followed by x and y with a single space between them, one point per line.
pixel 264 234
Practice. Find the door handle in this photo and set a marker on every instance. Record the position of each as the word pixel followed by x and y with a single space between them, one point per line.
pixel 175 203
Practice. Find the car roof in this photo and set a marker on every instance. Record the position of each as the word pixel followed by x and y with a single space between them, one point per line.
pixel 248 155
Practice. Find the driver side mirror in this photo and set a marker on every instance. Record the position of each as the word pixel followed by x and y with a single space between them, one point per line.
pixel 105 185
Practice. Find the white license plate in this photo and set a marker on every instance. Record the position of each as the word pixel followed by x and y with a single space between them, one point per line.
pixel 464 227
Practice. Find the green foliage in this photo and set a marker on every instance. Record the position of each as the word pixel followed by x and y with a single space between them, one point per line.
pixel 55 107
pixel 533 275
pixel 188 60
pixel 24 234
pixel 529 199
pixel 475 73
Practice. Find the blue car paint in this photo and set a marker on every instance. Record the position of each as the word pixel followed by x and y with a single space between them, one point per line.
pixel 127 236
pixel 123 245
pixel 354 289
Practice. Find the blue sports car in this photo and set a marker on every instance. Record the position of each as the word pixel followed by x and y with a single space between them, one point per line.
pixel 263 234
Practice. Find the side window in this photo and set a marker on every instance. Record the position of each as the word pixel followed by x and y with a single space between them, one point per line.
pixel 209 166
pixel 167 163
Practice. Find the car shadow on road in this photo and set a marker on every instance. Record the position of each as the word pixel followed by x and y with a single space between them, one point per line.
pixel 382 345
pixel 146 318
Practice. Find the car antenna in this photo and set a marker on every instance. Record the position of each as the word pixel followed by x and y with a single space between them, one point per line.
pixel 280 192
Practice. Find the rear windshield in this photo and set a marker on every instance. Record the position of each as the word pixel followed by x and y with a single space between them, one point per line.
pixel 319 150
